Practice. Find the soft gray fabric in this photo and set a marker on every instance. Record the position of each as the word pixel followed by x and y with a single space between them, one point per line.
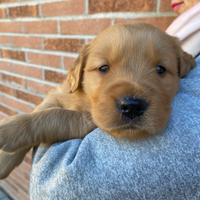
pixel 165 166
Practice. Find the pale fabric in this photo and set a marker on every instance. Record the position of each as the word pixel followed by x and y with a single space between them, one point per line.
pixel 187 28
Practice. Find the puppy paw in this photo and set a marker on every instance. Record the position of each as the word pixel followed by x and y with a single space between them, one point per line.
pixel 9 138
pixel 9 161
pixel 13 133
pixel 5 166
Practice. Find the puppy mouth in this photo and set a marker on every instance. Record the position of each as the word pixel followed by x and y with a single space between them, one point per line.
pixel 124 128
pixel 129 125
pixel 130 130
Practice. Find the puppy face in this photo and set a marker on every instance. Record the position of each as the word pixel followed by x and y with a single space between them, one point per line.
pixel 130 74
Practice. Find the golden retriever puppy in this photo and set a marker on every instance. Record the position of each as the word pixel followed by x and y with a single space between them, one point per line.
pixel 123 82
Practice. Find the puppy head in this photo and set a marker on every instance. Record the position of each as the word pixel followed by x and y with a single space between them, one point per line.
pixel 130 74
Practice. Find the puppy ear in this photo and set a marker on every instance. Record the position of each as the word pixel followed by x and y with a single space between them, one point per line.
pixel 185 63
pixel 75 73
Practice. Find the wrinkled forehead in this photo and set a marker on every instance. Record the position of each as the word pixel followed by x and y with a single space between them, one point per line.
pixel 132 42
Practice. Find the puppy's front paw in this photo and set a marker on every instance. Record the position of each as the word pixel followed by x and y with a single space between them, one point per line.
pixel 9 161
pixel 6 165
pixel 7 139
pixel 14 132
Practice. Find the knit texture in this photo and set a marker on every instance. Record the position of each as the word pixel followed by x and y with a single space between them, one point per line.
pixel 164 166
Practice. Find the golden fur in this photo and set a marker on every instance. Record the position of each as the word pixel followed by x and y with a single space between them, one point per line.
pixel 88 98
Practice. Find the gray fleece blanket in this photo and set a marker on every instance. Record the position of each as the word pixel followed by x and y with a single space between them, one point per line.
pixel 165 166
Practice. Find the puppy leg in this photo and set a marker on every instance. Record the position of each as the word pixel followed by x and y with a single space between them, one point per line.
pixel 9 161
pixel 20 133
pixel 29 129
pixel 46 126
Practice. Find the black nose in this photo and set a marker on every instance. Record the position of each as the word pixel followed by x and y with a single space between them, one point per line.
pixel 131 107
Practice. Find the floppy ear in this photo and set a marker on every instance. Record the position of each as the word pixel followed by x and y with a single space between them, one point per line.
pixel 185 63
pixel 76 71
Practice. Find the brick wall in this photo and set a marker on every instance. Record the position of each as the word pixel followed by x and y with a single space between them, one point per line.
pixel 39 41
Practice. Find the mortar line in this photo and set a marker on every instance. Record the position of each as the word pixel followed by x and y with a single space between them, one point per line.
pixel 47 52
pixel 58 26
pixel 157 6
pixel 7 12
pixel 49 35
pixel 94 16
pixel 86 7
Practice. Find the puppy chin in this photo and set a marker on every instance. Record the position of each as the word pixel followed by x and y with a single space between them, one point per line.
pixel 136 129
pixel 130 131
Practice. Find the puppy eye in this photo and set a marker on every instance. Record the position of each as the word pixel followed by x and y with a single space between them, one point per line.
pixel 160 69
pixel 104 69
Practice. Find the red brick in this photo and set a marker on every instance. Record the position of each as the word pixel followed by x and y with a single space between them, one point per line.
pixel 5 66
pixel 23 173
pixel 23 11
pixel 14 80
pixel 85 26
pixel 4 40
pixel 1 98
pixel 13 174
pixel 8 185
pixel 2 116
pixel 44 59
pixel 7 111
pixel 40 27
pixel 101 6
pixel 28 71
pixel 16 55
pixel 28 97
pixel 68 62
pixel 28 42
pixel 3 13
pixel 160 22
pixel 11 185
pixel 21 179
pixel 7 1
pixel 12 27
pixel 26 167
pixel 71 7
pixel 63 44
pixel 39 87
pixel 55 77
pixel 16 104
pixel 23 195
pixel 7 90
pixel 28 159
pixel 31 109
pixel 165 5
pixel 17 182
pixel 9 188
pixel 30 153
